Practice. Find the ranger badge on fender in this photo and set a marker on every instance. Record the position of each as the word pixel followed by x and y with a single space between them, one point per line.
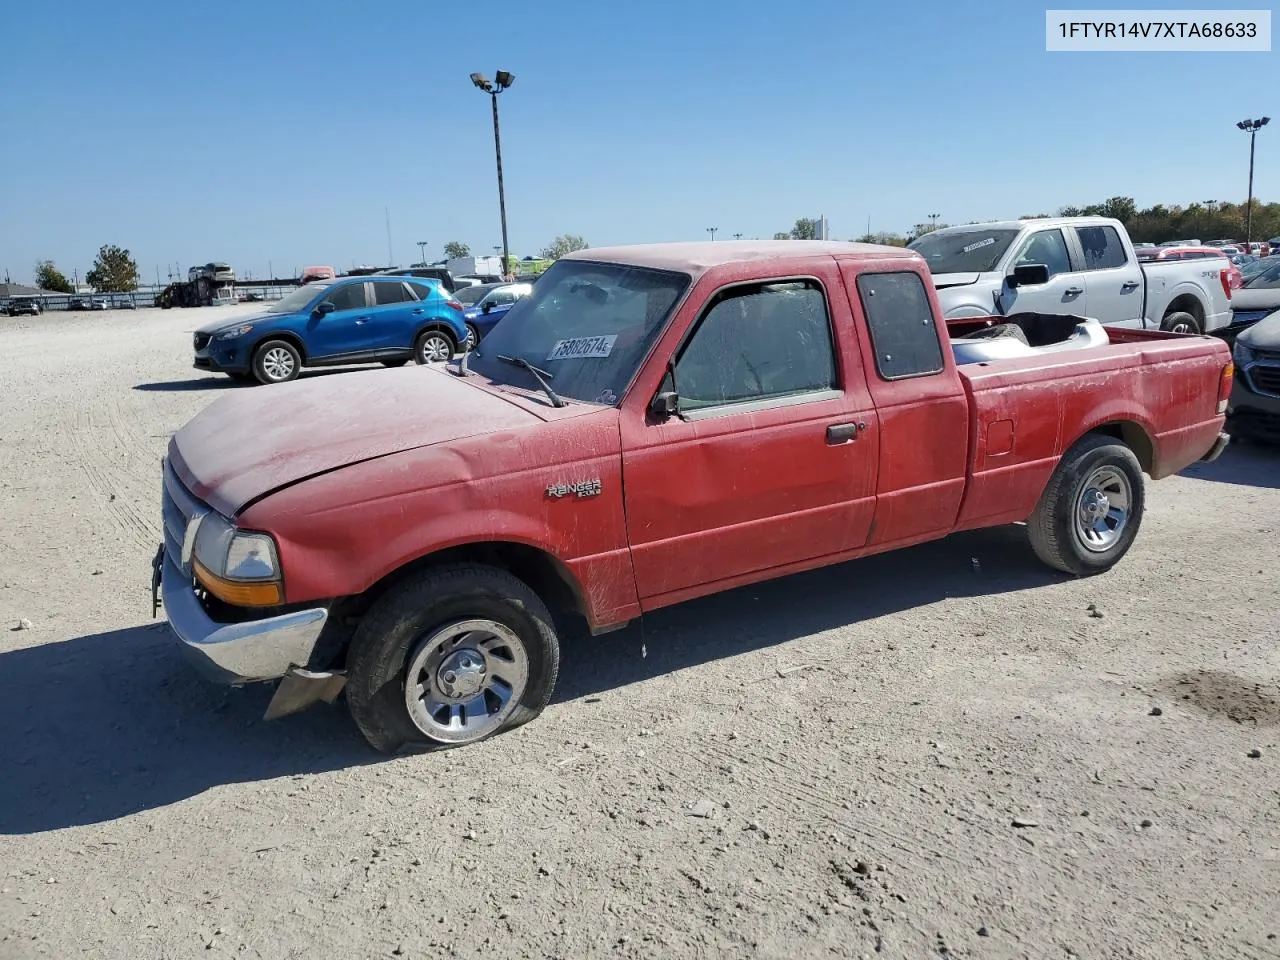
pixel 583 488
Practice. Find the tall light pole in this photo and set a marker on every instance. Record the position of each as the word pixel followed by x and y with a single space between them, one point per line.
pixel 1251 127
pixel 933 220
pixel 501 81
pixel 712 231
pixel 422 252
pixel 737 236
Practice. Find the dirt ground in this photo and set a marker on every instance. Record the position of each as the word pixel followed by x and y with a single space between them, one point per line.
pixel 834 764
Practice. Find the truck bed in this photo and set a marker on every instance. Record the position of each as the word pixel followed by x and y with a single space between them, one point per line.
pixel 1157 391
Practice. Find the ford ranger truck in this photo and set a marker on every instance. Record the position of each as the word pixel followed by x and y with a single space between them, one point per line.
pixel 651 424
pixel 1083 266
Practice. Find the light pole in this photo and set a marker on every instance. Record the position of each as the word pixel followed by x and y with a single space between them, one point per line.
pixel 933 221
pixel 737 236
pixel 1251 127
pixel 712 231
pixel 422 252
pixel 501 81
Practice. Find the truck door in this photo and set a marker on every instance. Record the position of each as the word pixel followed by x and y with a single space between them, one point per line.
pixel 920 403
pixel 1112 277
pixel 1064 293
pixel 771 459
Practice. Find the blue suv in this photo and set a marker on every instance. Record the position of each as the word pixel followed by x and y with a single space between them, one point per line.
pixel 374 319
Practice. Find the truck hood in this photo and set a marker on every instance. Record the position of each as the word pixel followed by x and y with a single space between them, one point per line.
pixel 255 440
pixel 1255 298
pixel 944 280
pixel 1265 334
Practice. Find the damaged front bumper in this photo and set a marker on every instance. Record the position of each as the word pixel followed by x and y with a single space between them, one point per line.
pixel 273 648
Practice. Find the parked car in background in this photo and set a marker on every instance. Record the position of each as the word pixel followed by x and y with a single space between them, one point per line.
pixel 1142 246
pixel 126 304
pixel 673 420
pixel 1257 298
pixel 1241 259
pixel 318 273
pixel 427 273
pixel 1254 410
pixel 77 303
pixel 468 296
pixel 371 319
pixel 96 303
pixel 1256 265
pixel 1085 266
pixel 24 306
pixel 484 314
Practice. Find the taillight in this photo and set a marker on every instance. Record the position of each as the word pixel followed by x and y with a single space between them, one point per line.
pixel 1224 385
pixel 1225 277
pixel 453 303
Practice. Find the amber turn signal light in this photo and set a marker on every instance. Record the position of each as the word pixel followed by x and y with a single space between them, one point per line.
pixel 266 594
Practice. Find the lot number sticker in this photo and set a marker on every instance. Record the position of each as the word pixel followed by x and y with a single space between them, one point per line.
pixel 979 245
pixel 580 347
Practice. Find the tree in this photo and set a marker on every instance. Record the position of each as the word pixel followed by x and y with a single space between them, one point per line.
pixel 456 250
pixel 565 243
pixel 49 277
pixel 114 271
pixel 884 238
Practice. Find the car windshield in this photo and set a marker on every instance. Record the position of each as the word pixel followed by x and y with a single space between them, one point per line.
pixel 293 302
pixel 1254 267
pixel 965 251
pixel 587 324
pixel 1266 280
pixel 469 296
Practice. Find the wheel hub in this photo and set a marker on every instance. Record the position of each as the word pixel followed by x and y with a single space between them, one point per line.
pixel 1095 505
pixel 461 674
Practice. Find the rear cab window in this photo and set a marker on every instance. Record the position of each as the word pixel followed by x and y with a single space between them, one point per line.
pixel 904 334
pixel 1101 247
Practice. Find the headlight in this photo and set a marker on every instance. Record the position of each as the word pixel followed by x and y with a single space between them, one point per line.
pixel 235 332
pixel 237 566
pixel 1241 353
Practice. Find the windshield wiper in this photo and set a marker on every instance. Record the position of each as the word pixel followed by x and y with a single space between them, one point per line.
pixel 541 376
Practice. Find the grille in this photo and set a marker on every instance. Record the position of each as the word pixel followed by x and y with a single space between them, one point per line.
pixel 202 340
pixel 1272 356
pixel 177 507
pixel 1266 379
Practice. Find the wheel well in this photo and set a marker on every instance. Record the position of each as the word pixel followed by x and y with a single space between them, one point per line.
pixel 292 338
pixel 443 328
pixel 545 575
pixel 1187 303
pixel 1134 437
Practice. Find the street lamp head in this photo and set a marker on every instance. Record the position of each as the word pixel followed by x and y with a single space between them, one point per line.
pixel 481 83
pixel 1243 124
pixel 504 79
pixel 1264 121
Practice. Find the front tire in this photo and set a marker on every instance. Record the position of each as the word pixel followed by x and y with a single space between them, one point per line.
pixel 433 346
pixel 276 361
pixel 1180 322
pixel 1091 509
pixel 473 336
pixel 450 657
pixel 393 363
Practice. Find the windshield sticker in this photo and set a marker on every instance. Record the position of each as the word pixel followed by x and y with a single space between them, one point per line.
pixel 980 244
pixel 606 397
pixel 580 347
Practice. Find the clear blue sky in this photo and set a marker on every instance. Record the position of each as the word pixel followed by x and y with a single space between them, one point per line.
pixel 256 132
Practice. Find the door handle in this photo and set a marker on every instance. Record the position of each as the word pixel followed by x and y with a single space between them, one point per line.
pixel 1073 291
pixel 418 312
pixel 361 321
pixel 1129 285
pixel 844 432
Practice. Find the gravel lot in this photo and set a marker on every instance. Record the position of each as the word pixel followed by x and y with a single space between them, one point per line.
pixel 832 764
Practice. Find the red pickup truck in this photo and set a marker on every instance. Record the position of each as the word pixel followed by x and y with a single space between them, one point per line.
pixel 652 424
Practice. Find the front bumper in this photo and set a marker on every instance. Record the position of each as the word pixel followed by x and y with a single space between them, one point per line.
pixel 225 356
pixel 236 653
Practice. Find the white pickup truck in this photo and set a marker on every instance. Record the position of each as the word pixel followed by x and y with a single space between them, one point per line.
pixel 1085 266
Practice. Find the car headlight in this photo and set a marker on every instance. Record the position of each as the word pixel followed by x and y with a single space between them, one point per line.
pixel 237 566
pixel 235 332
pixel 1241 353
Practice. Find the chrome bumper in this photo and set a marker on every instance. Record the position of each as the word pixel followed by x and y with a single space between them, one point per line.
pixel 237 653
pixel 1216 450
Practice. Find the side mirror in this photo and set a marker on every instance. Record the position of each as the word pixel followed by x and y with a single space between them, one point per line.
pixel 1028 275
pixel 665 404
pixel 324 308
pixel 488 305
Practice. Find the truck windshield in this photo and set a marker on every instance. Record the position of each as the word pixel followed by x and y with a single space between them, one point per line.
pixel 293 302
pixel 586 324
pixel 965 251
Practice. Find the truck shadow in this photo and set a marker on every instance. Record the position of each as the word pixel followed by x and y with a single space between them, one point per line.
pixel 771 613
pixel 114 723
pixel 110 724
pixel 222 382
pixel 1244 463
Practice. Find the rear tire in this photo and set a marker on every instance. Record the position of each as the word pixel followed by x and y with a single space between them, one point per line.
pixel 276 361
pixel 473 336
pixel 393 363
pixel 1180 322
pixel 434 346
pixel 412 623
pixel 1091 509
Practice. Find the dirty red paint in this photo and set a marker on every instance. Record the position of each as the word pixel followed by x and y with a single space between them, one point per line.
pixel 357 475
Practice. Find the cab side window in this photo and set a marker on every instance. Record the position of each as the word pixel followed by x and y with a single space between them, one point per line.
pixel 758 342
pixel 348 297
pixel 903 333
pixel 1047 247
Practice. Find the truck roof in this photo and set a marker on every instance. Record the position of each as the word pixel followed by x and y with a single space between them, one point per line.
pixel 700 256
pixel 1020 224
